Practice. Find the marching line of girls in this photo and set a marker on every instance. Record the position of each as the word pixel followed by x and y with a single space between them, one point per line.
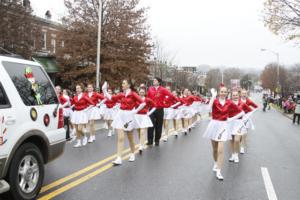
pixel 230 119
pixel 160 108
pixel 149 111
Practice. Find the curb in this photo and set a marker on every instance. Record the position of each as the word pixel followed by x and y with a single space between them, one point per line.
pixel 281 111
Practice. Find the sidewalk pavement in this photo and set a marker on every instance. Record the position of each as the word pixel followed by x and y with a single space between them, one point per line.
pixel 288 115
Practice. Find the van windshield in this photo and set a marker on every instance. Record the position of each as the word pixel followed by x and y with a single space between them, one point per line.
pixel 32 84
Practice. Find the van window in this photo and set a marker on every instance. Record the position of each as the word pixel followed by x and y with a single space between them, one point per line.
pixel 34 88
pixel 4 103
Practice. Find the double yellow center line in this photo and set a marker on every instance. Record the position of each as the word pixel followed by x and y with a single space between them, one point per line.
pixel 82 179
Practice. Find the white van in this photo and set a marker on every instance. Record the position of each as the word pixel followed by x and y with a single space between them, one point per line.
pixel 31 127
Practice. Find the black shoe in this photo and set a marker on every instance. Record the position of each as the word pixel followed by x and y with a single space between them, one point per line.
pixel 190 129
pixel 149 144
pixel 157 144
pixel 140 152
pixel 185 133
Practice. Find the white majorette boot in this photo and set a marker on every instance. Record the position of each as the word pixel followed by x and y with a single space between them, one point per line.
pixel 141 148
pixel 165 139
pixel 84 141
pixel 231 159
pixel 176 134
pixel 78 144
pixel 118 161
pixel 94 138
pixel 131 157
pixel 236 158
pixel 91 139
pixel 214 169
pixel 219 175
pixel 109 133
pixel 242 150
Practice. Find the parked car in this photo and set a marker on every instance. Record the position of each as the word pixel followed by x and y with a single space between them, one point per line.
pixel 31 127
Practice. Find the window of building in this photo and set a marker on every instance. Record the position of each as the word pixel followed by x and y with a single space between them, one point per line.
pixel 62 44
pixel 16 72
pixel 53 45
pixel 44 40
pixel 32 39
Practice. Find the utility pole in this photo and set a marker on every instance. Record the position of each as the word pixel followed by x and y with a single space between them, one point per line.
pixel 98 74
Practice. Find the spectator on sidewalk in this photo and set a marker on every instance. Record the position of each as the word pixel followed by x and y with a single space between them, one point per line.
pixel 297 111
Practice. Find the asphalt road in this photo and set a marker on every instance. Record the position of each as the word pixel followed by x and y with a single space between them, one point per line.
pixel 181 168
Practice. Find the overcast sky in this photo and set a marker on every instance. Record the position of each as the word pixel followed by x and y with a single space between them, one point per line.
pixel 215 32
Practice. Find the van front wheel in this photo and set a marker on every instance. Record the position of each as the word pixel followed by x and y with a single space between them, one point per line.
pixel 26 172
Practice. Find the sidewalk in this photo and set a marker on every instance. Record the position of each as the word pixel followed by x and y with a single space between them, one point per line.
pixel 290 116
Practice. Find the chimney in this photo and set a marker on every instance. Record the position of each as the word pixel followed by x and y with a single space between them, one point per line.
pixel 48 15
pixel 26 4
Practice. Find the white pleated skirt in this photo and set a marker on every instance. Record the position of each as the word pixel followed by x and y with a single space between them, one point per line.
pixel 195 108
pixel 94 113
pixel 102 110
pixel 143 121
pixel 217 131
pixel 125 120
pixel 236 127
pixel 249 124
pixel 109 113
pixel 67 112
pixel 79 117
pixel 169 113
pixel 186 112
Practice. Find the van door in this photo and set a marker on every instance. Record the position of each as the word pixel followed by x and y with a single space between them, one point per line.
pixel 7 124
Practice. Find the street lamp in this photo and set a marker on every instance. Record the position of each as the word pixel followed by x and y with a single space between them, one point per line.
pixel 98 75
pixel 277 58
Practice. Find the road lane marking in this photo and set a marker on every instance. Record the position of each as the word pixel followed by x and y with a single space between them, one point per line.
pixel 76 182
pixel 81 180
pixel 268 184
pixel 80 172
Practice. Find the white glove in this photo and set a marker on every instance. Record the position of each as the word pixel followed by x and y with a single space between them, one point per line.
pixel 151 111
pixel 176 104
pixel 105 86
pixel 88 108
pixel 214 93
pixel 101 102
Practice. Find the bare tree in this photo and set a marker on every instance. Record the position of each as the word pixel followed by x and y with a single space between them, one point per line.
pixel 269 78
pixel 16 25
pixel 213 78
pixel 125 42
pixel 294 78
pixel 282 17
pixel 232 73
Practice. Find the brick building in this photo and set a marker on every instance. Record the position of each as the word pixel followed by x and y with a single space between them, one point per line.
pixel 31 37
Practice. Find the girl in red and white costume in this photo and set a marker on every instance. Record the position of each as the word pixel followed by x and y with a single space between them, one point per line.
pixel 143 119
pixel 110 112
pixel 178 115
pixel 249 123
pixel 236 127
pixel 169 113
pixel 195 109
pixel 65 105
pixel 187 110
pixel 217 130
pixel 94 112
pixel 69 112
pixel 81 104
pixel 125 121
